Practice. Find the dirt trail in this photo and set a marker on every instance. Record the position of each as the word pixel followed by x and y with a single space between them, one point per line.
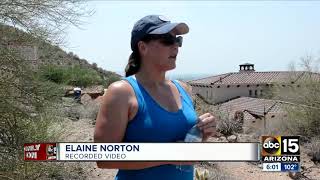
pixel 245 171
pixel 82 131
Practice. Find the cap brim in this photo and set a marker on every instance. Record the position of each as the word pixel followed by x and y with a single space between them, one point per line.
pixel 179 28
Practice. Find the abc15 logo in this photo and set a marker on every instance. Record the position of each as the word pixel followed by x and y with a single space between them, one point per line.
pixel 280 145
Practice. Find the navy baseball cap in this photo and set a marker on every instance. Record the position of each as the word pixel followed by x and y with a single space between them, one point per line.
pixel 155 24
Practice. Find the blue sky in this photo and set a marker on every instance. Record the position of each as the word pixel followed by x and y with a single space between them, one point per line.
pixel 222 35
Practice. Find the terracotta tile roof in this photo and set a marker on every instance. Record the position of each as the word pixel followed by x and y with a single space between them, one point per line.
pixel 211 79
pixel 257 77
pixel 247 116
pixel 309 75
pixel 255 106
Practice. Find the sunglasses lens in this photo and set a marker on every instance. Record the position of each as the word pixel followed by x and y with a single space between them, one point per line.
pixel 165 39
pixel 179 40
pixel 171 40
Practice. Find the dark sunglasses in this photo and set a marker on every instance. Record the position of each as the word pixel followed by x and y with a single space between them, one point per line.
pixel 165 39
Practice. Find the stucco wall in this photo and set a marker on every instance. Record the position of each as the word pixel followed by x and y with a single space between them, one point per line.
pixel 221 93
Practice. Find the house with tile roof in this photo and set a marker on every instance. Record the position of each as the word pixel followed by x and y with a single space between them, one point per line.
pixel 255 111
pixel 246 82
pixel 244 92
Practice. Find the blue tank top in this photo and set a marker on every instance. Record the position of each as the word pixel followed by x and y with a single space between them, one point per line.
pixel 153 123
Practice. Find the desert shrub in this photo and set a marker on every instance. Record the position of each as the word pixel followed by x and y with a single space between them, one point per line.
pixel 26 103
pixel 52 73
pixel 72 75
pixel 83 77
pixel 201 106
pixel 314 150
pixel 228 126
pixel 303 107
pixel 26 115
pixel 211 174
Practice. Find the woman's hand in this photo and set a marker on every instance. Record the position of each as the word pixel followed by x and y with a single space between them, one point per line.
pixel 207 125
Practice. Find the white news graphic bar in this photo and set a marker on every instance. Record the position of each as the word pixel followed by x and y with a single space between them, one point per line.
pixel 158 151
pixel 272 167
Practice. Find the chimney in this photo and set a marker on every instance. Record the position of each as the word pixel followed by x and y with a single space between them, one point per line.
pixel 246 67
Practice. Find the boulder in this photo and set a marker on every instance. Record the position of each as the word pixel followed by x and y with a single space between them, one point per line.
pixel 223 139
pixel 232 138
pixel 98 100
pixel 246 138
pixel 68 91
pixel 86 99
pixel 94 91
pixel 213 139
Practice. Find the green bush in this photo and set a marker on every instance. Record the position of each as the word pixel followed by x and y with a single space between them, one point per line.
pixel 303 110
pixel 75 76
pixel 83 77
pixel 27 114
pixel 314 150
pixel 303 95
pixel 52 73
pixel 228 126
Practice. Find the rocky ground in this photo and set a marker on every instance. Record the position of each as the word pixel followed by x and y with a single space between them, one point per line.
pixel 79 127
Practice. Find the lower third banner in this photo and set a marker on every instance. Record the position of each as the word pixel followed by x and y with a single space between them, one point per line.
pixel 143 151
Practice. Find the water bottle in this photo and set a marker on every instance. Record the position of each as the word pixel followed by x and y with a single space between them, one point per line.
pixel 193 135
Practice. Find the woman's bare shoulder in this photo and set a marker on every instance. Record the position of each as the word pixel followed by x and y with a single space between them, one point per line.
pixel 119 89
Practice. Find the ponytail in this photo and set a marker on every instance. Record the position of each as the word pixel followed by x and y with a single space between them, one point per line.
pixel 134 63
